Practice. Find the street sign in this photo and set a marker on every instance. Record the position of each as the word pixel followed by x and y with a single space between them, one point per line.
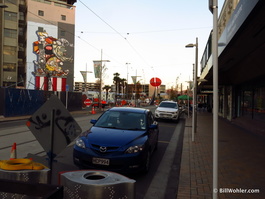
pixel 87 102
pixel 53 126
pixel 155 81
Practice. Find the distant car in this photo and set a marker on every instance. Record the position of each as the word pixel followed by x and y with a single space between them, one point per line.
pixel 121 140
pixel 167 110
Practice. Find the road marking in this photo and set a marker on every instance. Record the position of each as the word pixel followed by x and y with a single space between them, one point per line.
pixel 158 185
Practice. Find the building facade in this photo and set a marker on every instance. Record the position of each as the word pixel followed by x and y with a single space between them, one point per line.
pixel 241 70
pixel 35 34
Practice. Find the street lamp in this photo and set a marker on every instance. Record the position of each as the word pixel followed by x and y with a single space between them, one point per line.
pixel 194 109
pixel 100 75
pixel 213 7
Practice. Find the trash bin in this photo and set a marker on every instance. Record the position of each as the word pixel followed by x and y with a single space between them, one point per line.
pixel 96 184
pixel 33 176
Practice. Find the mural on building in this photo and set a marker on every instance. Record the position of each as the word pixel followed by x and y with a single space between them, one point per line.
pixel 51 55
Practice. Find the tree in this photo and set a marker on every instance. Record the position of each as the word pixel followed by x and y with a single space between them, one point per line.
pixel 123 84
pixel 116 81
pixel 107 88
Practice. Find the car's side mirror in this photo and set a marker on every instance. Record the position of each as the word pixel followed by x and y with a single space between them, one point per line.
pixel 93 121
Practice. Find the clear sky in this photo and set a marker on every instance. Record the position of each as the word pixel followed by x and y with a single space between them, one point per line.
pixel 151 35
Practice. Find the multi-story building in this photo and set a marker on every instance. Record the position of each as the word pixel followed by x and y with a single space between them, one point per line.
pixel 36 41
pixel 88 86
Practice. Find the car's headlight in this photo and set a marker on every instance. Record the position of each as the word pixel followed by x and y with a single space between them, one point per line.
pixel 80 143
pixel 135 149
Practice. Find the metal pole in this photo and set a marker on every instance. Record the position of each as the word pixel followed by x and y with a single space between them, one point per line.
pixel 193 107
pixel 195 86
pixel 215 100
pixel 100 84
pixel 127 87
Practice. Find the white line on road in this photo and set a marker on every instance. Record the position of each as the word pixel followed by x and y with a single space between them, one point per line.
pixel 158 185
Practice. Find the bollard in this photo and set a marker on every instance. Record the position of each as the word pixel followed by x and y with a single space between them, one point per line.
pixel 96 184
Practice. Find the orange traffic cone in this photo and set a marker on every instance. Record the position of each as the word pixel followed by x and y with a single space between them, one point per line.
pixel 93 110
pixel 13 154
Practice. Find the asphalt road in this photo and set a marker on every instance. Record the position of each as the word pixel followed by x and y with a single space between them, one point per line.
pixel 160 182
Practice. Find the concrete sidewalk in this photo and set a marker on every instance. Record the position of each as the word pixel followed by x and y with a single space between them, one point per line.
pixel 241 161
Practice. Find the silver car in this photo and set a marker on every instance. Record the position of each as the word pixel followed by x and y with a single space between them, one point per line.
pixel 167 110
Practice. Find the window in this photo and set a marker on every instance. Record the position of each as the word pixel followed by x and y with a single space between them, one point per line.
pixel 41 13
pixel 13 1
pixel 10 33
pixel 63 17
pixel 9 67
pixel 10 50
pixel 11 16
pixel 21 16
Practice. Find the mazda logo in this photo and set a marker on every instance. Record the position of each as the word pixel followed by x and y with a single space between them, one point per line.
pixel 103 149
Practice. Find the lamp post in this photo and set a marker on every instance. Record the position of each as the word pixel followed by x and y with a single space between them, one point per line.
pixel 194 109
pixel 84 74
pixel 100 76
pixel 213 7
pixel 188 92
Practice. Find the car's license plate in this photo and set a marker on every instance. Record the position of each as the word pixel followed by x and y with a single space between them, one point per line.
pixel 101 161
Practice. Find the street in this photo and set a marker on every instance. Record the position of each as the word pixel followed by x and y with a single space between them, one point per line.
pixel 160 182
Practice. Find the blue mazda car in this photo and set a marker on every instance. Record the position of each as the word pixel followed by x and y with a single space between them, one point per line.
pixel 121 140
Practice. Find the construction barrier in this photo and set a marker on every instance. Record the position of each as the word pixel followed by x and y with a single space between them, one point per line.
pixel 93 110
pixel 13 154
pixel 96 184
pixel 20 164
pixel 24 170
pixel 24 178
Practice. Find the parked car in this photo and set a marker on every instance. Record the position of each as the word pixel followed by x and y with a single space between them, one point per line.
pixel 167 110
pixel 121 140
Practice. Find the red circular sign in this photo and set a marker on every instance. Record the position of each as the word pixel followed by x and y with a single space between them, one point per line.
pixel 155 81
pixel 87 102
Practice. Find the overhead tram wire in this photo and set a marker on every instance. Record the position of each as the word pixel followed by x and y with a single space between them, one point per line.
pixel 102 20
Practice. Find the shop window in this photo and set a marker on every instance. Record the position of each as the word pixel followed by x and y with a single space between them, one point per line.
pixel 259 104
pixel 247 103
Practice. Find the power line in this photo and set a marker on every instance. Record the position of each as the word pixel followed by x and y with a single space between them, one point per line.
pixel 102 20
pixel 134 49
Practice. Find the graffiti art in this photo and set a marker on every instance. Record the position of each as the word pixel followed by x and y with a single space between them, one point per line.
pixel 51 55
